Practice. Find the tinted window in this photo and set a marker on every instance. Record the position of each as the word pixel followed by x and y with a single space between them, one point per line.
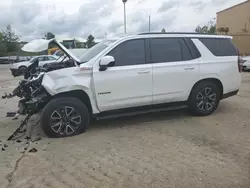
pixel 96 49
pixel 51 58
pixel 219 47
pixel 129 53
pixel 185 51
pixel 169 50
pixel 192 48
pixel 41 58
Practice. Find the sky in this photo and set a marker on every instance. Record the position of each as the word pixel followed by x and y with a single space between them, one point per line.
pixel 79 18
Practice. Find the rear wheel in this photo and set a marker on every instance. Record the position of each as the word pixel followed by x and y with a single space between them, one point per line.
pixel 63 117
pixel 204 99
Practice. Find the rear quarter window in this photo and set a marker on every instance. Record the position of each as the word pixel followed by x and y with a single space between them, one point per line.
pixel 219 46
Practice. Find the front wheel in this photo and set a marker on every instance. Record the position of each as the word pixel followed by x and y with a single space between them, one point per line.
pixel 64 116
pixel 204 99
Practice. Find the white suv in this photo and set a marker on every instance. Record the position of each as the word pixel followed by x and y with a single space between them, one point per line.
pixel 140 73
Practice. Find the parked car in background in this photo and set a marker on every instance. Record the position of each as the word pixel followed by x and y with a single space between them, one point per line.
pixel 76 51
pixel 19 68
pixel 4 60
pixel 246 63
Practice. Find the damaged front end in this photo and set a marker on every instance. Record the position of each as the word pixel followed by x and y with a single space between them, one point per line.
pixel 33 96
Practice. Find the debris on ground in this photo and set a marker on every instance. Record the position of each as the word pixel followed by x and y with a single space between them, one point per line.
pixel 33 150
pixel 36 139
pixel 27 138
pixel 23 131
pixel 20 127
pixel 11 114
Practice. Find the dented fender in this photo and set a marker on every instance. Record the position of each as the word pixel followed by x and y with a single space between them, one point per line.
pixel 70 79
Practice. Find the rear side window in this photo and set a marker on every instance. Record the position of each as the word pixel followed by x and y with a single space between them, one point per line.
pixel 185 51
pixel 165 50
pixel 220 47
pixel 169 50
pixel 131 52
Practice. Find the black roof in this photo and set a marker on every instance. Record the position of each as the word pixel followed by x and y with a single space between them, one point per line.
pixel 160 33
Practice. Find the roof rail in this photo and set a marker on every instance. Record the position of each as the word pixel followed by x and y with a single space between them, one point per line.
pixel 160 33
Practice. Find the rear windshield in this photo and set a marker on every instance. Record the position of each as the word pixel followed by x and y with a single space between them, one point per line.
pixel 220 46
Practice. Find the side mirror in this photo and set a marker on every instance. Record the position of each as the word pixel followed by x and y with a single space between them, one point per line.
pixel 105 62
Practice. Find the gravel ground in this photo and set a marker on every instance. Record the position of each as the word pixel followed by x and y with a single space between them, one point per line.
pixel 168 149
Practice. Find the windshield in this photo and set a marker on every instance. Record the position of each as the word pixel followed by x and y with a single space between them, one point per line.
pixel 33 59
pixel 92 52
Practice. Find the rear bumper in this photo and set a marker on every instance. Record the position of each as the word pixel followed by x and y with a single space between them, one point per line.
pixel 230 94
pixel 15 72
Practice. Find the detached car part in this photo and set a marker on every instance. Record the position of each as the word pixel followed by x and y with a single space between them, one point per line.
pixel 33 96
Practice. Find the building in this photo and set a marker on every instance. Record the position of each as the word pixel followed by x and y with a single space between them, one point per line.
pixel 235 21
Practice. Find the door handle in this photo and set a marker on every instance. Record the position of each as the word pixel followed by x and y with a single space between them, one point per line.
pixel 143 72
pixel 189 68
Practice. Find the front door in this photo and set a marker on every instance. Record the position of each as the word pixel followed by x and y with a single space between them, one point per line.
pixel 129 82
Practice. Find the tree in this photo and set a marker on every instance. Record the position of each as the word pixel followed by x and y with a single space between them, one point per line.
pixel 10 39
pixel 1 37
pixel 90 41
pixel 49 36
pixel 163 30
pixel 3 49
pixel 200 29
pixel 78 44
pixel 206 29
pixel 212 29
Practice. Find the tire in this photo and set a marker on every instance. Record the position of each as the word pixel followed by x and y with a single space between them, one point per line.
pixel 64 116
pixel 204 99
pixel 22 69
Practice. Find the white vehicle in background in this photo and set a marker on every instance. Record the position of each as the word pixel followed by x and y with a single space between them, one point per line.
pixel 246 63
pixel 19 68
pixel 135 74
pixel 76 51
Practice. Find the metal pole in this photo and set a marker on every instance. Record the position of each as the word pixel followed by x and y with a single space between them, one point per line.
pixel 149 23
pixel 125 22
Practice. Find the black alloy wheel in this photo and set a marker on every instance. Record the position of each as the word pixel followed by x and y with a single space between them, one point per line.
pixel 204 98
pixel 65 120
pixel 65 116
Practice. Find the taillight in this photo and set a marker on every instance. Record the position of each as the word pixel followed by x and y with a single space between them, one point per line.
pixel 240 63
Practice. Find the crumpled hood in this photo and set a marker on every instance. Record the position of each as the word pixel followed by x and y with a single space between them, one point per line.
pixel 39 45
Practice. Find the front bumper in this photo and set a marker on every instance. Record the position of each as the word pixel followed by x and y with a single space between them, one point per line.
pixel 15 72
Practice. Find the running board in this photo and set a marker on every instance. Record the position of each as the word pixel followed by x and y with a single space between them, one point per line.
pixel 133 112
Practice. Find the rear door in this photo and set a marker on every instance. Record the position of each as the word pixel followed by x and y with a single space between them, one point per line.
pixel 175 71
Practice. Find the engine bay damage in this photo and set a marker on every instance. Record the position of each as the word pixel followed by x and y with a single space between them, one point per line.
pixel 33 96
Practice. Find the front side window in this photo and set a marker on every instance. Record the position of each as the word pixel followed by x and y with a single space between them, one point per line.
pixel 131 52
pixel 169 50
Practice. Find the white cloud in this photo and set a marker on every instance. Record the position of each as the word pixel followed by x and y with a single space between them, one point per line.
pixel 79 18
